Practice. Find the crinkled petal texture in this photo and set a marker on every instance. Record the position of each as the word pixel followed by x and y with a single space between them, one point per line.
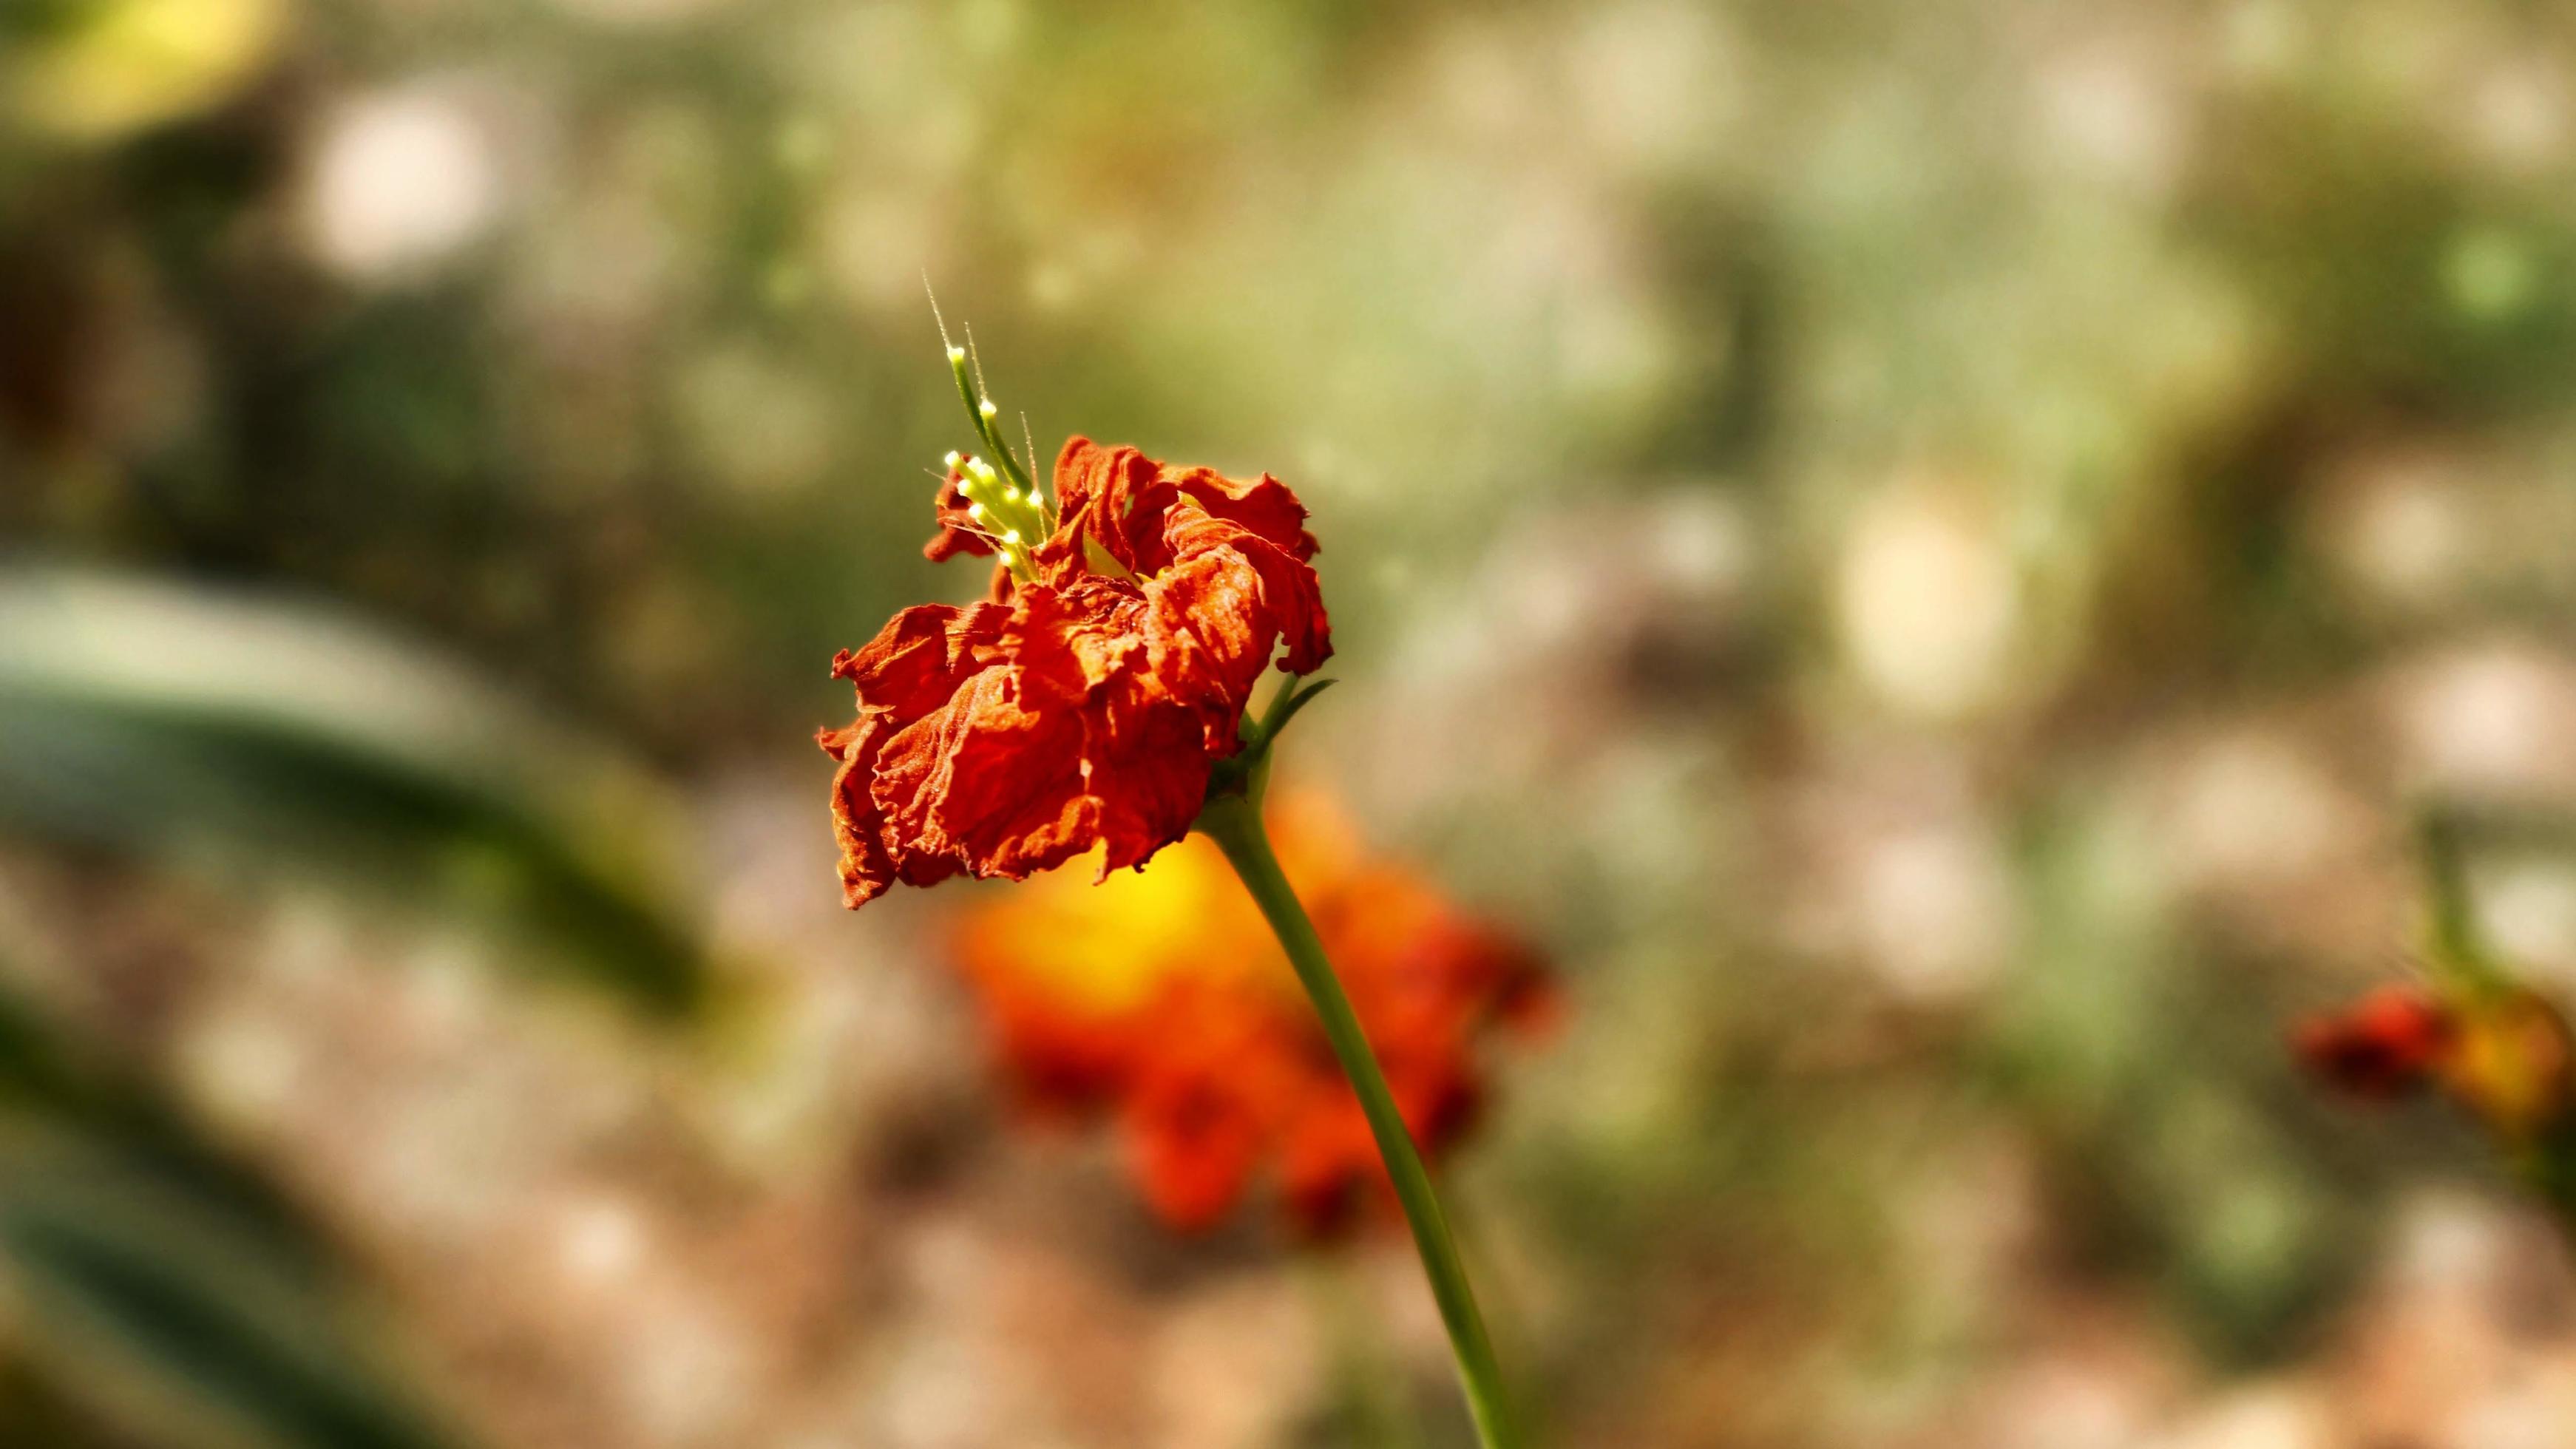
pixel 957 530
pixel 1085 706
pixel 911 675
pixel 1222 567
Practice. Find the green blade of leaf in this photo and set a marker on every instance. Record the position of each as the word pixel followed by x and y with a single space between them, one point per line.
pixel 167 1311
pixel 1295 702
pixel 203 729
pixel 167 1286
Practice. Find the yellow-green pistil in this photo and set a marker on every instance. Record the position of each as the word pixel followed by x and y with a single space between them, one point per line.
pixel 1005 503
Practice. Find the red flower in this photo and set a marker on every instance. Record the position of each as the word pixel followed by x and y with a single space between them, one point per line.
pixel 1160 1001
pixel 2506 1054
pixel 2390 1042
pixel 1085 703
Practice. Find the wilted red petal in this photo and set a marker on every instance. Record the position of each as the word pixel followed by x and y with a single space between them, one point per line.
pixel 1263 505
pixel 958 532
pixel 1072 642
pixel 919 658
pixel 1106 497
pixel 994 787
pixel 917 663
pixel 1081 654
pixel 1219 610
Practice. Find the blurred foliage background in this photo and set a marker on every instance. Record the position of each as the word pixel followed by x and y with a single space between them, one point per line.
pixel 1928 555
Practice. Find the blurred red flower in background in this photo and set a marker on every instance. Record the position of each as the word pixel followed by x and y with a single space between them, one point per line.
pixel 2390 1042
pixel 2505 1054
pixel 1160 999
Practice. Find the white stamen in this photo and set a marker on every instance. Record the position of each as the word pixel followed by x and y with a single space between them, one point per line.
pixel 951 460
pixel 956 355
pixel 1010 535
pixel 986 407
pixel 975 511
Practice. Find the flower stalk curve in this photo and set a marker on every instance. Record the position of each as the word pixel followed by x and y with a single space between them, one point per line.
pixel 1233 821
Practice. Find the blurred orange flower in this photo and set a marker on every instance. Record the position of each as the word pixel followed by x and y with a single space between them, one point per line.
pixel 2506 1056
pixel 1160 999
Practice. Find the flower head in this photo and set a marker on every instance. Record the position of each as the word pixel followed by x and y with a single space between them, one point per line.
pixel 2506 1056
pixel 2390 1042
pixel 1084 703
pixel 1161 1001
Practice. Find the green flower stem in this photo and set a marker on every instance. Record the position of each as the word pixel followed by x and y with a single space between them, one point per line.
pixel 1234 822
pixel 2455 949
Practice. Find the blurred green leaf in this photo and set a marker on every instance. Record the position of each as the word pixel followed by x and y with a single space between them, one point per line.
pixel 210 730
pixel 165 1285
pixel 169 1309
pixel 46 1075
